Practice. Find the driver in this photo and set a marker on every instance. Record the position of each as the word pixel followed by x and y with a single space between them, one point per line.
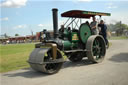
pixel 61 30
pixel 93 26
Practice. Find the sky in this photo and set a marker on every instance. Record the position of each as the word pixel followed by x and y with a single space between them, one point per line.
pixel 24 16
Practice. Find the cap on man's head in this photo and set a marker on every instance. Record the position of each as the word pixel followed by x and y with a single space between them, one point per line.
pixel 101 21
pixel 93 18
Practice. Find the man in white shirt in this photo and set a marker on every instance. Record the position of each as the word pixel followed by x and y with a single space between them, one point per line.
pixel 93 26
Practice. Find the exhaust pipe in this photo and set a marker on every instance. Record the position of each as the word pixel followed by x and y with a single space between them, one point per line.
pixel 55 22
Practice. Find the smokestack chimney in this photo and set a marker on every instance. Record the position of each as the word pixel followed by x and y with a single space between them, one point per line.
pixel 55 22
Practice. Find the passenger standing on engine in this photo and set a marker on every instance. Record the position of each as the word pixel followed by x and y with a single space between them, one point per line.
pixel 93 26
pixel 61 32
pixel 103 30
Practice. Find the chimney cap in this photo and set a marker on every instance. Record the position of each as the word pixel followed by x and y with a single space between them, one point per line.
pixel 54 9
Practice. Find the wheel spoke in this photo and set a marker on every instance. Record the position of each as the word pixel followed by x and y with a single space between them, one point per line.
pixel 97 49
pixel 97 57
pixel 51 67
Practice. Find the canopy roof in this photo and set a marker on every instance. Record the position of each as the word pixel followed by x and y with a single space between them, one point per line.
pixel 83 14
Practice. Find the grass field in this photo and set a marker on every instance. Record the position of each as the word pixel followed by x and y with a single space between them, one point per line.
pixel 14 56
pixel 118 38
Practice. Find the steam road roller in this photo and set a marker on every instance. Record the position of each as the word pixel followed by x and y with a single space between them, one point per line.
pixel 74 40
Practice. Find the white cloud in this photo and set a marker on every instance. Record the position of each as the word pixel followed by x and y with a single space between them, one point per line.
pixel 84 0
pixel 4 19
pixel 13 3
pixel 111 6
pixel 20 26
pixel 80 1
pixel 40 25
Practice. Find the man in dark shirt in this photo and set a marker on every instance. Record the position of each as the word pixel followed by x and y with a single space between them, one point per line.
pixel 103 30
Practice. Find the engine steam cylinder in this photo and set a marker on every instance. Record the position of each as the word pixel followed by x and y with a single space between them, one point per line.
pixel 55 22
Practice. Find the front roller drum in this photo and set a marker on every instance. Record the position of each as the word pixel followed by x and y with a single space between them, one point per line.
pixel 40 60
pixel 96 48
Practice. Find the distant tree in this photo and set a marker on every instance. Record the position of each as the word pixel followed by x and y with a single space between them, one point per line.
pixel 5 35
pixel 116 26
pixel 16 34
pixel 125 26
pixel 111 27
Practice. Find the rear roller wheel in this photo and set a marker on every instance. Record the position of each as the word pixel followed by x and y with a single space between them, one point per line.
pixel 96 48
pixel 49 68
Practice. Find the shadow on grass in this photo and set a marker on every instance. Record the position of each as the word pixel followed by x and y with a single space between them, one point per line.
pixel 121 57
pixel 29 73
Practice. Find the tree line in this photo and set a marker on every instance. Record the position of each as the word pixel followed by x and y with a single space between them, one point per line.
pixel 117 26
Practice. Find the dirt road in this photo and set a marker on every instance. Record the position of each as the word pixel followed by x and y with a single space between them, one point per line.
pixel 112 71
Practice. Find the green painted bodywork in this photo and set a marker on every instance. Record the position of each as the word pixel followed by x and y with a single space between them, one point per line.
pixel 74 37
pixel 96 13
pixel 85 32
pixel 67 44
